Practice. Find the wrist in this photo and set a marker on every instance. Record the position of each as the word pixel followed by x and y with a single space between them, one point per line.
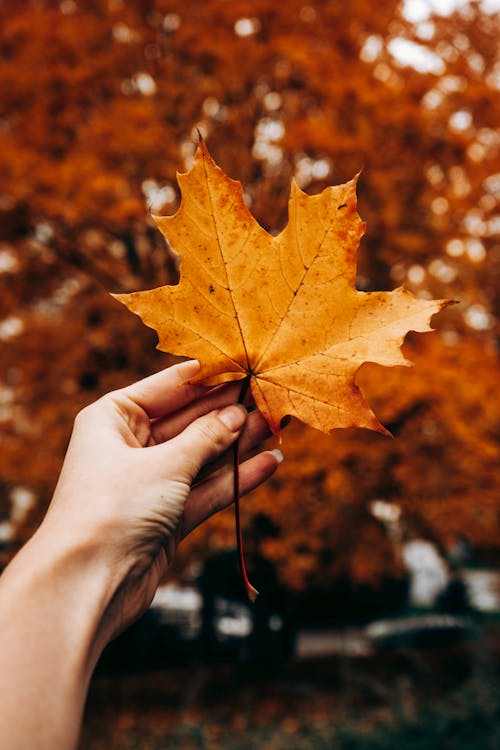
pixel 65 587
pixel 52 599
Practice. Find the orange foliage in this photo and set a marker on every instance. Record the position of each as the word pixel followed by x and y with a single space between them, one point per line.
pixel 100 105
pixel 441 469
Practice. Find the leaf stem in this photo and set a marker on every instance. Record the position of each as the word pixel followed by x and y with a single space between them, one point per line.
pixel 252 592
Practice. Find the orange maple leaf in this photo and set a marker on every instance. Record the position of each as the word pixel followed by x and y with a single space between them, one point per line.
pixel 282 310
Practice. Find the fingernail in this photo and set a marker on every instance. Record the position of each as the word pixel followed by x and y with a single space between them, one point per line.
pixel 277 454
pixel 191 364
pixel 233 416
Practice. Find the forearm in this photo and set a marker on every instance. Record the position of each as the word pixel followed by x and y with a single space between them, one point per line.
pixel 123 502
pixel 52 600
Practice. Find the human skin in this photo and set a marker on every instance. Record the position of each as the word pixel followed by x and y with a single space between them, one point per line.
pixel 145 465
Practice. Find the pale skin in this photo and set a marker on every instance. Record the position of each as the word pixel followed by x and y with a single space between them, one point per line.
pixel 145 465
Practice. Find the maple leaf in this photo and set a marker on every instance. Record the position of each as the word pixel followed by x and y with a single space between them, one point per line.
pixel 282 310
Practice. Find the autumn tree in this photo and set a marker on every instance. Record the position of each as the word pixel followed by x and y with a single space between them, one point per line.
pixel 101 103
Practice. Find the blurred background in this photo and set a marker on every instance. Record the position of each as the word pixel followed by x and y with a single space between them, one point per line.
pixel 379 559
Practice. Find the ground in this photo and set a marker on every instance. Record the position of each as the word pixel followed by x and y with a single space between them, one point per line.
pixel 444 698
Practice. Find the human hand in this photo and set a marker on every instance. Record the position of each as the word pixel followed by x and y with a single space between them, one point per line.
pixel 145 465
pixel 136 478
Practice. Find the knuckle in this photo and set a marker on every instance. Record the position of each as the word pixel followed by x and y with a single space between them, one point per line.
pixel 83 414
pixel 88 412
pixel 213 431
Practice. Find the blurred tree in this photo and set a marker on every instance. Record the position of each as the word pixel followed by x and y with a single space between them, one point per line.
pixel 100 105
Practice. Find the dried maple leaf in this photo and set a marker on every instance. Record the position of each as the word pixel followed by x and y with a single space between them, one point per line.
pixel 283 310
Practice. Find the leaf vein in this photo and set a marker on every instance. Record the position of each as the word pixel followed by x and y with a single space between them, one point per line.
pixel 224 263
pixel 295 293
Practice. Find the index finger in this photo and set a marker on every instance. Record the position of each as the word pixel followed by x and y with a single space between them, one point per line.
pixel 167 390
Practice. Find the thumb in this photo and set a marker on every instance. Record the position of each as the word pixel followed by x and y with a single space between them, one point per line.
pixel 207 438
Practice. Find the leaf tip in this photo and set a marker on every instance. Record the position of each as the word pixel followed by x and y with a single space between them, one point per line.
pixel 440 305
pixel 357 176
pixel 295 189
pixel 203 153
pixel 119 297
pixel 377 426
pixel 448 302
